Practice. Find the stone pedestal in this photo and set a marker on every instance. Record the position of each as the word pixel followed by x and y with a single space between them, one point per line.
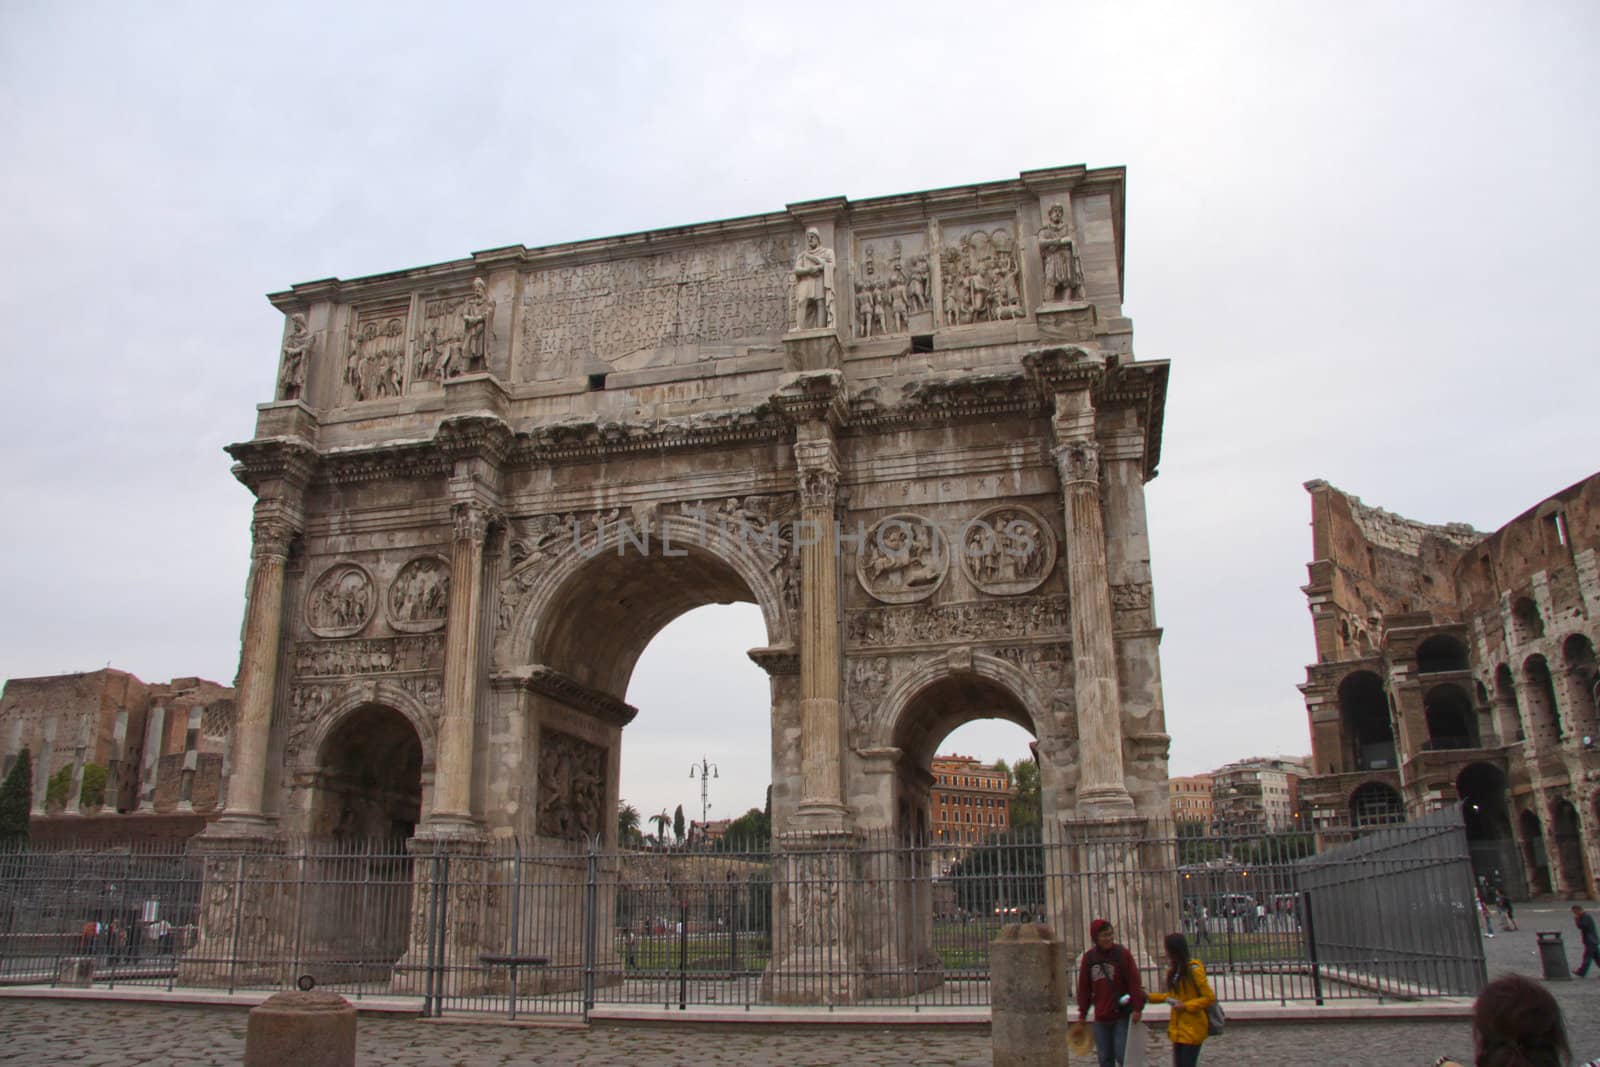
pixel 312 1029
pixel 1068 321
pixel 805 350
pixel 1133 885
pixel 450 878
pixel 1028 997
pixel 246 903
pixel 815 940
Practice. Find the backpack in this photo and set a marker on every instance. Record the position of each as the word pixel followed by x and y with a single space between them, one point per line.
pixel 1216 1018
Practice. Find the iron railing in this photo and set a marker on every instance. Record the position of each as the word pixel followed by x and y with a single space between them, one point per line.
pixel 564 928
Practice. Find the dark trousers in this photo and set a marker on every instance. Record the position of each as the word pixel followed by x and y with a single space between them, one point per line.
pixel 1185 1055
pixel 1591 954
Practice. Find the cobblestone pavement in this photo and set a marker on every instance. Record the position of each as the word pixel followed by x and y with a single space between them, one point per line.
pixel 118 1035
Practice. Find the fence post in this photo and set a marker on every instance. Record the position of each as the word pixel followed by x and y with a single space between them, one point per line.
pixel 591 922
pixel 430 924
pixel 1311 951
pixel 238 899
pixel 516 917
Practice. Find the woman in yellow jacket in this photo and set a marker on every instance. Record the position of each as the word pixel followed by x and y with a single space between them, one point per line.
pixel 1190 995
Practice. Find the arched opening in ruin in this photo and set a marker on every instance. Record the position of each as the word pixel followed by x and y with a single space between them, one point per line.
pixel 1583 681
pixel 1486 811
pixel 1452 724
pixel 1375 804
pixel 1441 653
pixel 1526 622
pixel 1539 692
pixel 1508 716
pixel 368 783
pixel 1368 730
pixel 1536 860
pixel 1572 869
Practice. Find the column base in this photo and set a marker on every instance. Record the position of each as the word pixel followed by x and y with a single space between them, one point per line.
pixel 1113 802
pixel 449 828
pixel 240 827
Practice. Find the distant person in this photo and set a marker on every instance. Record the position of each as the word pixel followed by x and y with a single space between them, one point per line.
pixel 1517 1023
pixel 1591 940
pixel 1190 995
pixel 1483 913
pixel 1508 914
pixel 1108 979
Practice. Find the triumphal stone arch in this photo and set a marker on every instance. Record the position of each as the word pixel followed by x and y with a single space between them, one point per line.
pixel 912 430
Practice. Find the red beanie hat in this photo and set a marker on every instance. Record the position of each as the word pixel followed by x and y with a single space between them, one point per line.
pixel 1098 925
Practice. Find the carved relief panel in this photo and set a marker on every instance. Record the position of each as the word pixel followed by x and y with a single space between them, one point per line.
pixel 341 601
pixel 573 316
pixel 905 559
pixel 419 596
pixel 572 786
pixel 375 359
pixel 892 282
pixel 454 335
pixel 981 273
pixel 1008 550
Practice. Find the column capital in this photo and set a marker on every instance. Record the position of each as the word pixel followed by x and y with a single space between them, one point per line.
pixel 1078 461
pixel 819 474
pixel 473 520
pixel 273 528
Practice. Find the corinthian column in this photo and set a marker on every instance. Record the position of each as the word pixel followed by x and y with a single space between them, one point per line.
pixel 1101 788
pixel 258 664
pixel 452 791
pixel 821 780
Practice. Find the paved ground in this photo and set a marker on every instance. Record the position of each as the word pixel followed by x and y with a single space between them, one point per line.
pixel 117 1035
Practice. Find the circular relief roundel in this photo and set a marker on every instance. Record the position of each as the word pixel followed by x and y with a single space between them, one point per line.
pixel 904 559
pixel 341 601
pixel 1007 550
pixel 419 596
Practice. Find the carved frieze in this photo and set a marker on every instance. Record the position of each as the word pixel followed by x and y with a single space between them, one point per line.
pixel 604 311
pixel 1008 550
pixel 904 559
pixel 980 274
pixel 572 786
pixel 341 601
pixel 375 364
pixel 866 680
pixel 893 287
pixel 386 655
pixel 296 354
pixel 982 620
pixel 1132 599
pixel 454 336
pixel 419 596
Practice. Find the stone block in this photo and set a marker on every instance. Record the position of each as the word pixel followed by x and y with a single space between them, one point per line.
pixel 309 1029
pixel 76 972
pixel 1028 997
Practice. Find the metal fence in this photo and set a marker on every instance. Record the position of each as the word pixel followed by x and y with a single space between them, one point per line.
pixel 565 929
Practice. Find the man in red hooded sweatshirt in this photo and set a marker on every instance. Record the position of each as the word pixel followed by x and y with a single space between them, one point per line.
pixel 1109 979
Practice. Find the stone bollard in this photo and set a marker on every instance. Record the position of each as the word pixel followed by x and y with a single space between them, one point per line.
pixel 1028 997
pixel 303 1030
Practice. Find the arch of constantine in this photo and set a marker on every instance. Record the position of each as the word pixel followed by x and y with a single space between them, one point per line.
pixel 912 430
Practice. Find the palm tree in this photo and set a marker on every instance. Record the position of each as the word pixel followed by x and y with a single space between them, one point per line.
pixel 662 821
pixel 627 823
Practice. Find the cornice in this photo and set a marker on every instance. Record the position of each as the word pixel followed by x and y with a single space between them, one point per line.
pixel 569 692
pixel 474 437
pixel 812 396
pixel 584 439
pixel 935 401
pixel 291 460
pixel 776 660
pixel 410 459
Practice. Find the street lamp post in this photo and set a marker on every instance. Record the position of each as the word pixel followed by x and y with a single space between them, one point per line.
pixel 705 771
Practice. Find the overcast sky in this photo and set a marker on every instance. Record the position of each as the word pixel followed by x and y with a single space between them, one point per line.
pixel 1363 234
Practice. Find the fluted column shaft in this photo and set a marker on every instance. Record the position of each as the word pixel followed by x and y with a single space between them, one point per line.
pixel 452 790
pixel 258 666
pixel 820 727
pixel 1102 789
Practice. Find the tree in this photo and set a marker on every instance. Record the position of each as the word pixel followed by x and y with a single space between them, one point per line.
pixel 16 798
pixel 677 824
pixel 662 821
pixel 627 824
pixel 1025 810
pixel 57 788
pixel 94 785
pixel 750 832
